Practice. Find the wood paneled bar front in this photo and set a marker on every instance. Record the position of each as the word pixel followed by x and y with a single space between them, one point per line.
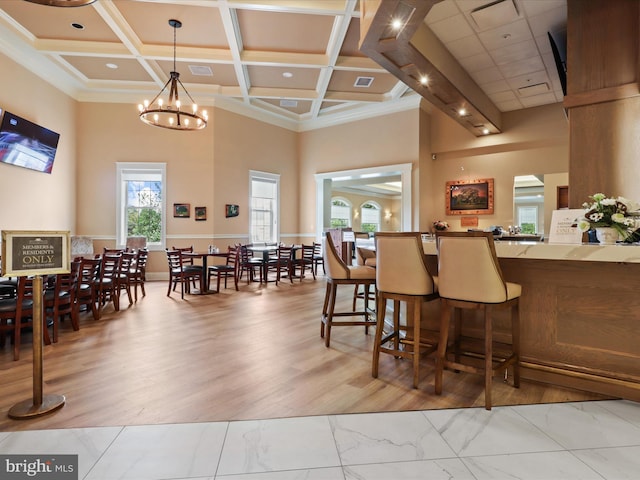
pixel 580 314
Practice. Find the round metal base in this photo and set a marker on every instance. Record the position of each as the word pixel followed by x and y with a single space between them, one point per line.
pixel 26 408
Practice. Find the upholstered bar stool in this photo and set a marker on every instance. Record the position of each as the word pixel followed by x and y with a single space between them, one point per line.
pixel 402 276
pixel 364 257
pixel 469 277
pixel 339 273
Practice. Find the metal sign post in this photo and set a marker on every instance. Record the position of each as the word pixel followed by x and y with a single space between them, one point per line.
pixel 30 253
pixel 40 404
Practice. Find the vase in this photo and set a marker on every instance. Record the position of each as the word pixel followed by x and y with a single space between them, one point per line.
pixel 607 235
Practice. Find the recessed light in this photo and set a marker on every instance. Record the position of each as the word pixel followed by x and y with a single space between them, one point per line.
pixel 396 24
pixel 485 131
pixel 287 74
pixel 462 112
pixel 77 26
pixel 424 80
pixel 112 66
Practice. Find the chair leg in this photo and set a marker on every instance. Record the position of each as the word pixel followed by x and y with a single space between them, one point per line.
pixel 445 316
pixel 332 304
pixel 488 356
pixel 416 311
pixel 381 309
pixel 515 343
pixel 324 308
pixel 366 308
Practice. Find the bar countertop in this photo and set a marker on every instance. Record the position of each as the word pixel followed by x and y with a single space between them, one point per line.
pixel 586 252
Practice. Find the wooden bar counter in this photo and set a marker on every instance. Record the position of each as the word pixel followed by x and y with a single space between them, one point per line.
pixel 580 313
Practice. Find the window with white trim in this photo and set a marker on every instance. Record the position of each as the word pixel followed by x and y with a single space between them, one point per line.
pixel 264 206
pixel 340 213
pixel 141 204
pixel 370 217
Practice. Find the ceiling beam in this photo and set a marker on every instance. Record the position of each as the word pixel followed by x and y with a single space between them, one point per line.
pixel 415 56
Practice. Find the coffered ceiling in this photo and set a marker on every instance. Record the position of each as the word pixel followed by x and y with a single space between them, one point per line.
pixel 295 63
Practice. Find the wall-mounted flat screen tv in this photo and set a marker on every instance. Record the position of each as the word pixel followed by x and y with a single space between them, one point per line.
pixel 25 144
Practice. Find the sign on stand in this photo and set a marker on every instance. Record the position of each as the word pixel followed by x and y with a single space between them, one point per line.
pixel 36 253
pixel 564 227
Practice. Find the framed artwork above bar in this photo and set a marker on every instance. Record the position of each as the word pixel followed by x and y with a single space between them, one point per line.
pixel 469 197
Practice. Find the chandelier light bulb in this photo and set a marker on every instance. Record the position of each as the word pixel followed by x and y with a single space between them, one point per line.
pixel 178 104
pixel 146 103
pixel 140 107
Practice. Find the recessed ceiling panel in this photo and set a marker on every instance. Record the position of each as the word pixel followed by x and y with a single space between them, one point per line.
pixel 201 26
pixel 55 23
pixel 278 77
pixel 280 32
pixel 98 68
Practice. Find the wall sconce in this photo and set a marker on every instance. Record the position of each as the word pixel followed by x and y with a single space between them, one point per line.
pixel 356 214
pixel 387 215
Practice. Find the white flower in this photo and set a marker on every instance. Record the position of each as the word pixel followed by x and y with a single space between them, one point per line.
pixel 584 225
pixel 630 204
pixel 596 216
pixel 618 218
pixel 608 201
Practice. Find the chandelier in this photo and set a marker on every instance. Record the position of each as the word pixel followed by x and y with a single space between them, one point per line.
pixel 63 3
pixel 171 114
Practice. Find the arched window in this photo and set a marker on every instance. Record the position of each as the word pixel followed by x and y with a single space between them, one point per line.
pixel 340 213
pixel 370 217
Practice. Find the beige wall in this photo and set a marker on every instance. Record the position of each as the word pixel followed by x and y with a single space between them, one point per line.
pixel 243 144
pixel 387 140
pixel 33 200
pixel 211 167
pixel 534 141
pixel 201 171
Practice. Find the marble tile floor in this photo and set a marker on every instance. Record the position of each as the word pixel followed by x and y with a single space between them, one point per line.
pixel 564 441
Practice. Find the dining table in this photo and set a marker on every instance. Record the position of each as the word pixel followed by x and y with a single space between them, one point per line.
pixel 264 251
pixel 204 278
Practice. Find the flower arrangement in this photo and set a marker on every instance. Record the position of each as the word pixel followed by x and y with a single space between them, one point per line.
pixel 440 225
pixel 618 213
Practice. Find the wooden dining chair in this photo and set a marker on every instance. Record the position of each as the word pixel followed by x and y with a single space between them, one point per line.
pixel 138 272
pixel 249 265
pixel 60 298
pixel 188 264
pixel 318 258
pixel 107 286
pixel 123 278
pixel 305 261
pixel 87 285
pixel 179 274
pixel 281 263
pixel 16 313
pixel 229 270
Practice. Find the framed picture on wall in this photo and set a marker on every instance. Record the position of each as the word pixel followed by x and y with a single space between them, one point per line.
pixel 231 210
pixel 181 210
pixel 469 197
pixel 200 213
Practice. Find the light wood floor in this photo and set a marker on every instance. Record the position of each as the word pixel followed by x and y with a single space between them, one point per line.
pixel 252 354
